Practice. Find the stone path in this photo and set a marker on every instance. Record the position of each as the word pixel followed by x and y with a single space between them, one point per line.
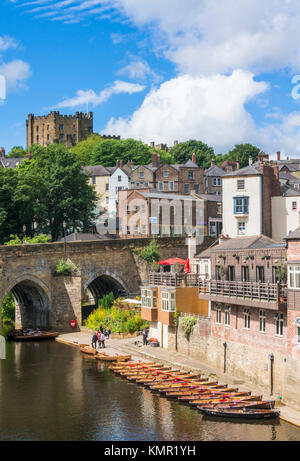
pixel 128 346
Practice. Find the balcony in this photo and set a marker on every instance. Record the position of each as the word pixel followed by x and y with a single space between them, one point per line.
pixel 252 294
pixel 172 279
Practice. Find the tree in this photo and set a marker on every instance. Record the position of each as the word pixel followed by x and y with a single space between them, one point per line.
pixel 9 210
pixel 109 151
pixel 59 193
pixel 16 152
pixel 242 152
pixel 83 150
pixel 184 151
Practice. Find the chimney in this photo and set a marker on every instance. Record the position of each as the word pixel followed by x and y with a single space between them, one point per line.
pixel 237 163
pixel 121 163
pixel 117 163
pixel 194 158
pixel 158 160
pixel 152 144
pixel 155 163
pixel 2 152
pixel 213 161
pixel 250 161
pixel 175 143
pixel 278 156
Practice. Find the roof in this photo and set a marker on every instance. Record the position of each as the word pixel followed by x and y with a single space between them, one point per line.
pixel 191 164
pixel 214 171
pixel 164 195
pixel 294 235
pixel 288 191
pixel 251 170
pixel 84 237
pixel 242 243
pixel 97 170
pixel 210 197
pixel 10 162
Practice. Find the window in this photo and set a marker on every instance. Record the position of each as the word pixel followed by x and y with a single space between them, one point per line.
pixel 227 313
pixel 48 137
pixel 146 298
pixel 160 185
pixel 241 228
pixel 146 184
pixel 107 186
pixel 119 178
pixel 186 188
pixel 61 137
pixel 48 127
pixel 215 228
pixel 241 205
pixel 247 319
pixel 90 129
pixel 262 321
pixel 196 188
pixel 217 182
pixel 94 180
pixel 74 128
pixel 294 277
pixel 166 174
pixel 245 274
pixel 137 184
pixel 37 139
pixel 171 185
pixel 168 301
pixel 260 274
pixel 191 175
pixel 143 208
pixel 218 314
pixel 144 229
pixel 294 205
pixel 279 324
pixel 141 174
pixel 240 184
pixel 37 129
pixel 61 128
pixel 231 273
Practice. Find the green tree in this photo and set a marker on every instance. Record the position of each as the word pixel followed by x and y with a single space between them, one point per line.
pixel 9 210
pixel 16 152
pixel 83 150
pixel 242 152
pixel 109 151
pixel 184 151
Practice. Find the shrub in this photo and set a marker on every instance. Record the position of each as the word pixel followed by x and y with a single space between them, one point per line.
pixel 150 253
pixel 107 301
pixel 188 324
pixel 63 267
pixel 16 240
pixel 118 320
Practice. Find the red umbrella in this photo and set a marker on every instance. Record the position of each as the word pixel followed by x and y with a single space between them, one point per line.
pixel 187 268
pixel 172 261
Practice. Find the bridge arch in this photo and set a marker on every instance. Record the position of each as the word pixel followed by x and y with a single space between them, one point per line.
pixel 103 282
pixel 32 300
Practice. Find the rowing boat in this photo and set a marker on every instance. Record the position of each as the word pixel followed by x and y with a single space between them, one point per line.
pixel 266 405
pixel 194 394
pixel 242 413
pixel 185 384
pixel 112 358
pixel 31 335
pixel 87 349
pixel 232 392
pixel 225 399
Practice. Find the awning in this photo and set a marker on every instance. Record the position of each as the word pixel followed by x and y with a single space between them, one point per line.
pixel 172 261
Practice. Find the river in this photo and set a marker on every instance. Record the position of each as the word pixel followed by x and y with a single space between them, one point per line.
pixel 49 391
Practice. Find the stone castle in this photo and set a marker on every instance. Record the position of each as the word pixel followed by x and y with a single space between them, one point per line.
pixel 57 128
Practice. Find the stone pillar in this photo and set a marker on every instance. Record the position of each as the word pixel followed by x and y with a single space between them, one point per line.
pixel 66 302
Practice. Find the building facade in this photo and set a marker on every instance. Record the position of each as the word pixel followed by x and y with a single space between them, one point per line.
pixel 59 129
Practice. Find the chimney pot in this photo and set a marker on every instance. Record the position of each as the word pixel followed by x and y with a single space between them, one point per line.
pixel 213 161
pixel 278 156
pixel 194 158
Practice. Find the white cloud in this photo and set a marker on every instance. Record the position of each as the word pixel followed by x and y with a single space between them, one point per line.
pixel 16 73
pixel 208 108
pixel 90 97
pixel 140 70
pixel 7 42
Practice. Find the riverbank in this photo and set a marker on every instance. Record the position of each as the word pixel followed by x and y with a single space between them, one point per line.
pixel 174 359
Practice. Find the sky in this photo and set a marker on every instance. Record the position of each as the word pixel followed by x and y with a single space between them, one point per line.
pixel 224 73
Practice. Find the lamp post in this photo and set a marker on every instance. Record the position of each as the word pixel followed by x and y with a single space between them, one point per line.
pixel 271 358
pixel 225 351
pixel 65 242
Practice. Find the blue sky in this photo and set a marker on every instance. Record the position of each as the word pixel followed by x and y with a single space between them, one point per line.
pixel 155 69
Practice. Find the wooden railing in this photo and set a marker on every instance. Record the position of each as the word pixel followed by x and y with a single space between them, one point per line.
pixel 247 290
pixel 172 279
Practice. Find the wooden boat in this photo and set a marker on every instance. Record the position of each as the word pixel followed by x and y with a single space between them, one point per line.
pixel 264 405
pixel 151 380
pixel 133 365
pixel 191 394
pixel 138 368
pixel 169 387
pixel 112 358
pixel 233 393
pixel 31 335
pixel 85 349
pixel 242 413
pixel 220 400
pixel 144 372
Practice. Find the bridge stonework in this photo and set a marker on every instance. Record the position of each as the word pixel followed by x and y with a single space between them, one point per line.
pixel 46 300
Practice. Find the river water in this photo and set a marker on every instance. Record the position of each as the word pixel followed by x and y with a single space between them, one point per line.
pixel 49 391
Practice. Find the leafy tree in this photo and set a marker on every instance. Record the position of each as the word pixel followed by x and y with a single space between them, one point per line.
pixel 16 240
pixel 165 157
pixel 9 210
pixel 83 150
pixel 242 152
pixel 184 151
pixel 109 151
pixel 16 152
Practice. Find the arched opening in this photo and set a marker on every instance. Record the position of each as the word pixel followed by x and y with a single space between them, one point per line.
pixel 97 288
pixel 32 305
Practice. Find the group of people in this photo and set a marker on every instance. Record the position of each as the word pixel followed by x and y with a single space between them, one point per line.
pixel 99 337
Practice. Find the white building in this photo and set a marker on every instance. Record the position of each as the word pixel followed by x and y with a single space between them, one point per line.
pixel 285 213
pixel 119 180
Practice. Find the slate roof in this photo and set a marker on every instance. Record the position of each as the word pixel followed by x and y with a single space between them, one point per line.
pixel 251 170
pixel 214 171
pixel 10 162
pixel 97 170
pixel 294 235
pixel 164 195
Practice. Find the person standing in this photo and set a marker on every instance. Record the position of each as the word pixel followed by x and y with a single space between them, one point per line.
pixel 102 340
pixel 145 334
pixel 94 341
pixel 99 339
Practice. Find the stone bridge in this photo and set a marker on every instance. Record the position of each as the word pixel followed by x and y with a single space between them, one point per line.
pixel 49 301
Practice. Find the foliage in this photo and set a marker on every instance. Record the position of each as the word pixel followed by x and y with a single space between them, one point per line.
pixel 8 314
pixel 176 318
pixel 16 240
pixel 188 324
pixel 118 320
pixel 63 267
pixel 109 150
pixel 149 253
pixel 242 152
pixel 221 271
pixel 43 193
pixel 16 152
pixel 280 273
pixel 83 150
pixel 107 301
pixel 184 151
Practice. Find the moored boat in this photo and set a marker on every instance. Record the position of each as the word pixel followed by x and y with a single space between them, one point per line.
pixel 242 413
pixel 31 335
pixel 112 358
pixel 265 405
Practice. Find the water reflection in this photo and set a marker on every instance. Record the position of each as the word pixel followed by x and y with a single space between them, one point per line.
pixel 49 391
